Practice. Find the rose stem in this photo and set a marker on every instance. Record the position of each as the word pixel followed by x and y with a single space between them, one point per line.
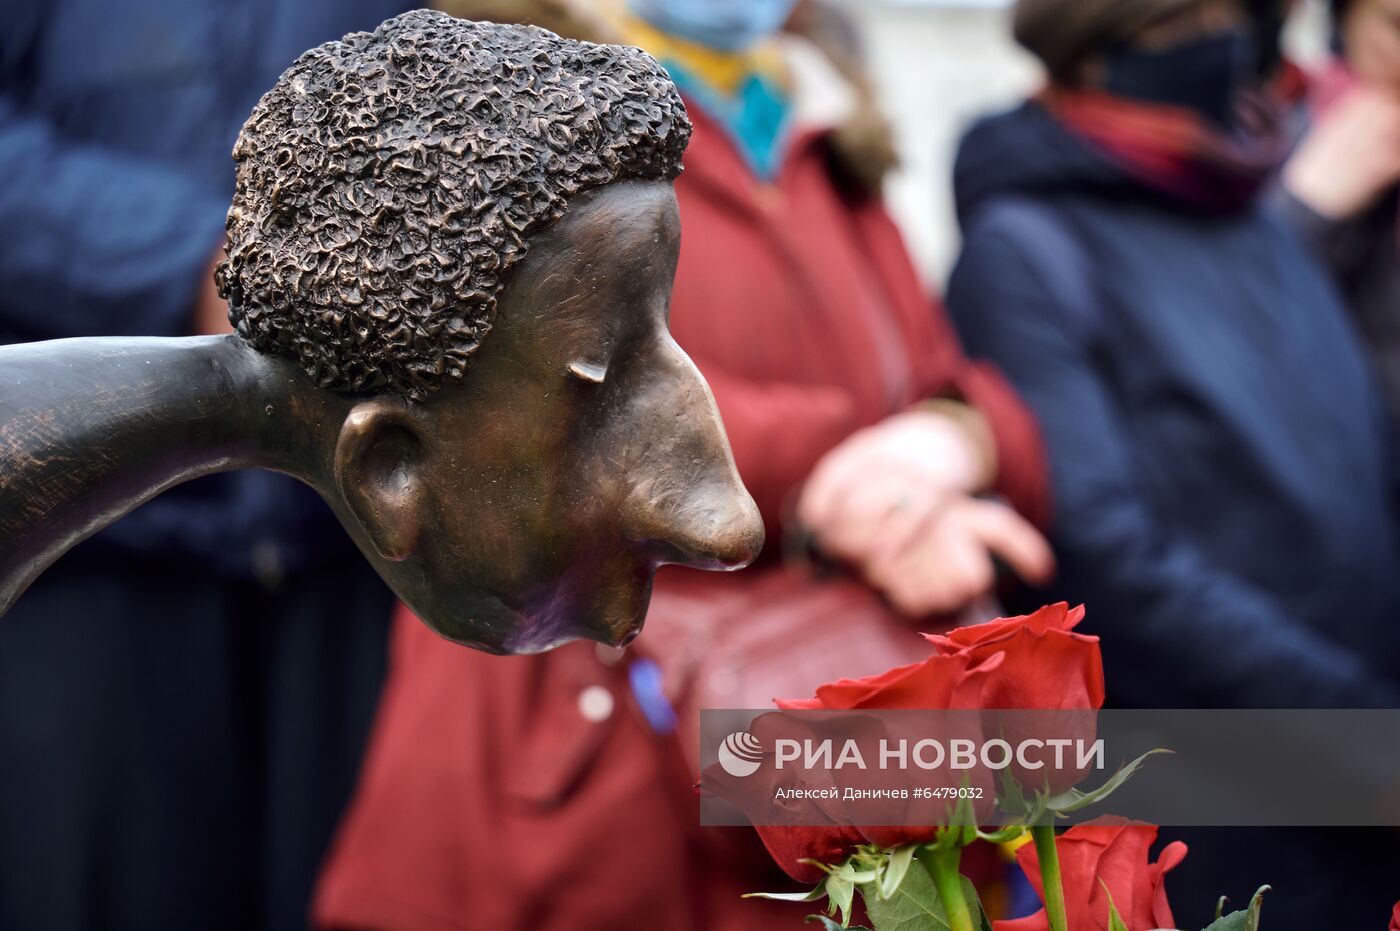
pixel 942 864
pixel 1044 837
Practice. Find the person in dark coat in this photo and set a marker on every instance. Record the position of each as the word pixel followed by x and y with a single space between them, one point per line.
pixel 1222 487
pixel 184 698
pixel 1341 188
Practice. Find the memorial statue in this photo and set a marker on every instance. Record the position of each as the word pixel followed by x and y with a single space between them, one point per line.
pixel 449 261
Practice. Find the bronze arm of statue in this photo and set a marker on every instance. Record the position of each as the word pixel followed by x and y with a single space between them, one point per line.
pixel 449 265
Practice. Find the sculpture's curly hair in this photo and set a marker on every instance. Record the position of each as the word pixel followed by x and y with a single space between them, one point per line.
pixel 389 181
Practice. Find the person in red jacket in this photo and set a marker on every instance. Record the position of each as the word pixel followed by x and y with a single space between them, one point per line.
pixel 554 792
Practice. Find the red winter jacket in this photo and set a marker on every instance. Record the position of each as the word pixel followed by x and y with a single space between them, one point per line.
pixel 528 793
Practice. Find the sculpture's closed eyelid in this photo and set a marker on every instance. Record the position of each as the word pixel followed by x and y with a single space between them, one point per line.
pixel 589 371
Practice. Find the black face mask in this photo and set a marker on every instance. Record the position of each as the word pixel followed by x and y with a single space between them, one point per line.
pixel 1204 75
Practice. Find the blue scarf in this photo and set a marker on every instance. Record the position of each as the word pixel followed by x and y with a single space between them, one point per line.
pixel 756 117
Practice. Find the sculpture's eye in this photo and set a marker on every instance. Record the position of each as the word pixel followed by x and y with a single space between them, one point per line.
pixel 588 371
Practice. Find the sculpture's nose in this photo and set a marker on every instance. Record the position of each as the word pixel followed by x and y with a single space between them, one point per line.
pixel 686 498
pixel 723 531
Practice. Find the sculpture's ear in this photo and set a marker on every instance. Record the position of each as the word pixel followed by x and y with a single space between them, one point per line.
pixel 378 461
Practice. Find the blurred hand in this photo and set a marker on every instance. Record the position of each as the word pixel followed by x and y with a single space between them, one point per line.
pixel 948 563
pixel 918 454
pixel 1350 158
pixel 210 310
pixel 895 501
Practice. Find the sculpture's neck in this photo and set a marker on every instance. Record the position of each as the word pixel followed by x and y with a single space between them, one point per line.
pixel 91 428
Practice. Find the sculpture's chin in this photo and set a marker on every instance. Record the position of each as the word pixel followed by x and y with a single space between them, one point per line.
pixel 613 617
pixel 606 611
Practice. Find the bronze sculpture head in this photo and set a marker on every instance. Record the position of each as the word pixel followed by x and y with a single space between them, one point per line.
pixel 449 265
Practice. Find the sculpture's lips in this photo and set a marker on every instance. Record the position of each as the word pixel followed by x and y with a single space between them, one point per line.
pixel 540 641
pixel 616 626
pixel 622 636
pixel 621 622
pixel 613 626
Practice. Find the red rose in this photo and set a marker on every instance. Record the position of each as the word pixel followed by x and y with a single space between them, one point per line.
pixel 789 846
pixel 1034 662
pixel 1395 918
pixel 937 683
pixel 1093 856
pixel 1046 667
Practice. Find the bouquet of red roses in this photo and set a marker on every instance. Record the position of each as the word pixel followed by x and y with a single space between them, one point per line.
pixel 1091 877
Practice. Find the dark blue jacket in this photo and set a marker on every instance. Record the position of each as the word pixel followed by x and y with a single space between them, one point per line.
pixel 116 124
pixel 1224 498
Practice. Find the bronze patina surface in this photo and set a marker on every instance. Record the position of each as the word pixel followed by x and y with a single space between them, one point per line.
pixel 449 266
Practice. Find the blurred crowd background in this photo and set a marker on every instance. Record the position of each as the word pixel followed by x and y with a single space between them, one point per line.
pixel 1002 303
pixel 938 66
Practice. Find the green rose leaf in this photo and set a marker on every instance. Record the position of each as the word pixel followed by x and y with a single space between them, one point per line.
pixel 1073 800
pixel 829 925
pixel 896 869
pixel 914 905
pixel 975 902
pixel 1246 920
pixel 861 868
pixel 818 893
pixel 841 891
